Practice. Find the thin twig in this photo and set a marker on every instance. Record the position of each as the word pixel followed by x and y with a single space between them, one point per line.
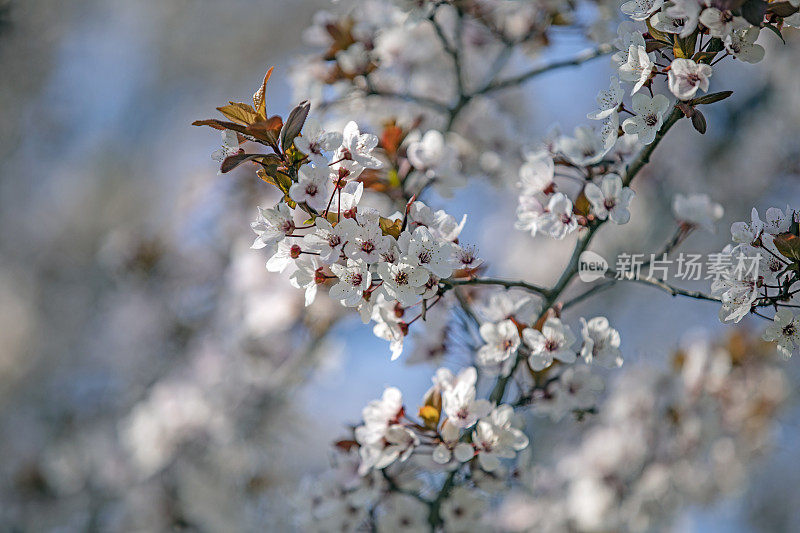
pixel 502 282
pixel 582 57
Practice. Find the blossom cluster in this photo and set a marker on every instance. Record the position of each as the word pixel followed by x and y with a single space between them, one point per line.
pixel 770 281
pixel 663 41
pixel 377 265
pixel 551 341
pixel 663 439
pixel 522 351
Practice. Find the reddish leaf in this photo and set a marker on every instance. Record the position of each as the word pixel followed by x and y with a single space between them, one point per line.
pixel 235 160
pixel 294 124
pixel 260 96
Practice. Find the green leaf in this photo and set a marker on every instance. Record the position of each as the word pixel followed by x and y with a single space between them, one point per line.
pixel 788 244
pixel 651 45
pixel 782 9
pixel 715 45
pixel 711 98
pixel 753 11
pixel 699 121
pixel 294 124
pixel 704 57
pixel 661 36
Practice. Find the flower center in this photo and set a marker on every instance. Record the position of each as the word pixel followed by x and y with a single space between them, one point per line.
pixel 368 247
pixel 651 120
pixel 401 278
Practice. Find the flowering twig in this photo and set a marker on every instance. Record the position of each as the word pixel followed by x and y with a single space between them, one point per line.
pixel 583 243
pixel 579 59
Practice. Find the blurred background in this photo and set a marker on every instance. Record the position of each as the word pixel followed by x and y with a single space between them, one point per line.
pixel 154 376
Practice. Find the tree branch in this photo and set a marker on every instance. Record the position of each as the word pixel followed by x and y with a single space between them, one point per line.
pixel 579 59
pixel 502 282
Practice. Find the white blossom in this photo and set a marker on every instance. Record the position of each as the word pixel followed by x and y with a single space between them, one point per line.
pixel 536 173
pixel 311 187
pixel 306 277
pixel 638 68
pixel 685 77
pixel 641 9
pixel 559 220
pixel 441 224
pixel 465 257
pixel 502 341
pixel 403 281
pixel 610 199
pixel 649 116
pixel 628 34
pixel 436 159
pixel 744 232
pixel 272 225
pixel 720 23
pixel 353 281
pixel 346 201
pixel 494 438
pixel 367 243
pixel 422 249
pixel 741 44
pixel 230 146
pixel 403 513
pixel 737 290
pixel 463 511
pixel 315 141
pixel 555 341
pixel 687 11
pixel 530 213
pixel 354 59
pixel 698 210
pixel 358 147
pixel 585 148
pixel 284 255
pixel 600 343
pixel 387 325
pixel 608 100
pixel 328 240
pixel 785 331
pixel 451 447
pixel 459 400
pixel 666 22
pixel 577 389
